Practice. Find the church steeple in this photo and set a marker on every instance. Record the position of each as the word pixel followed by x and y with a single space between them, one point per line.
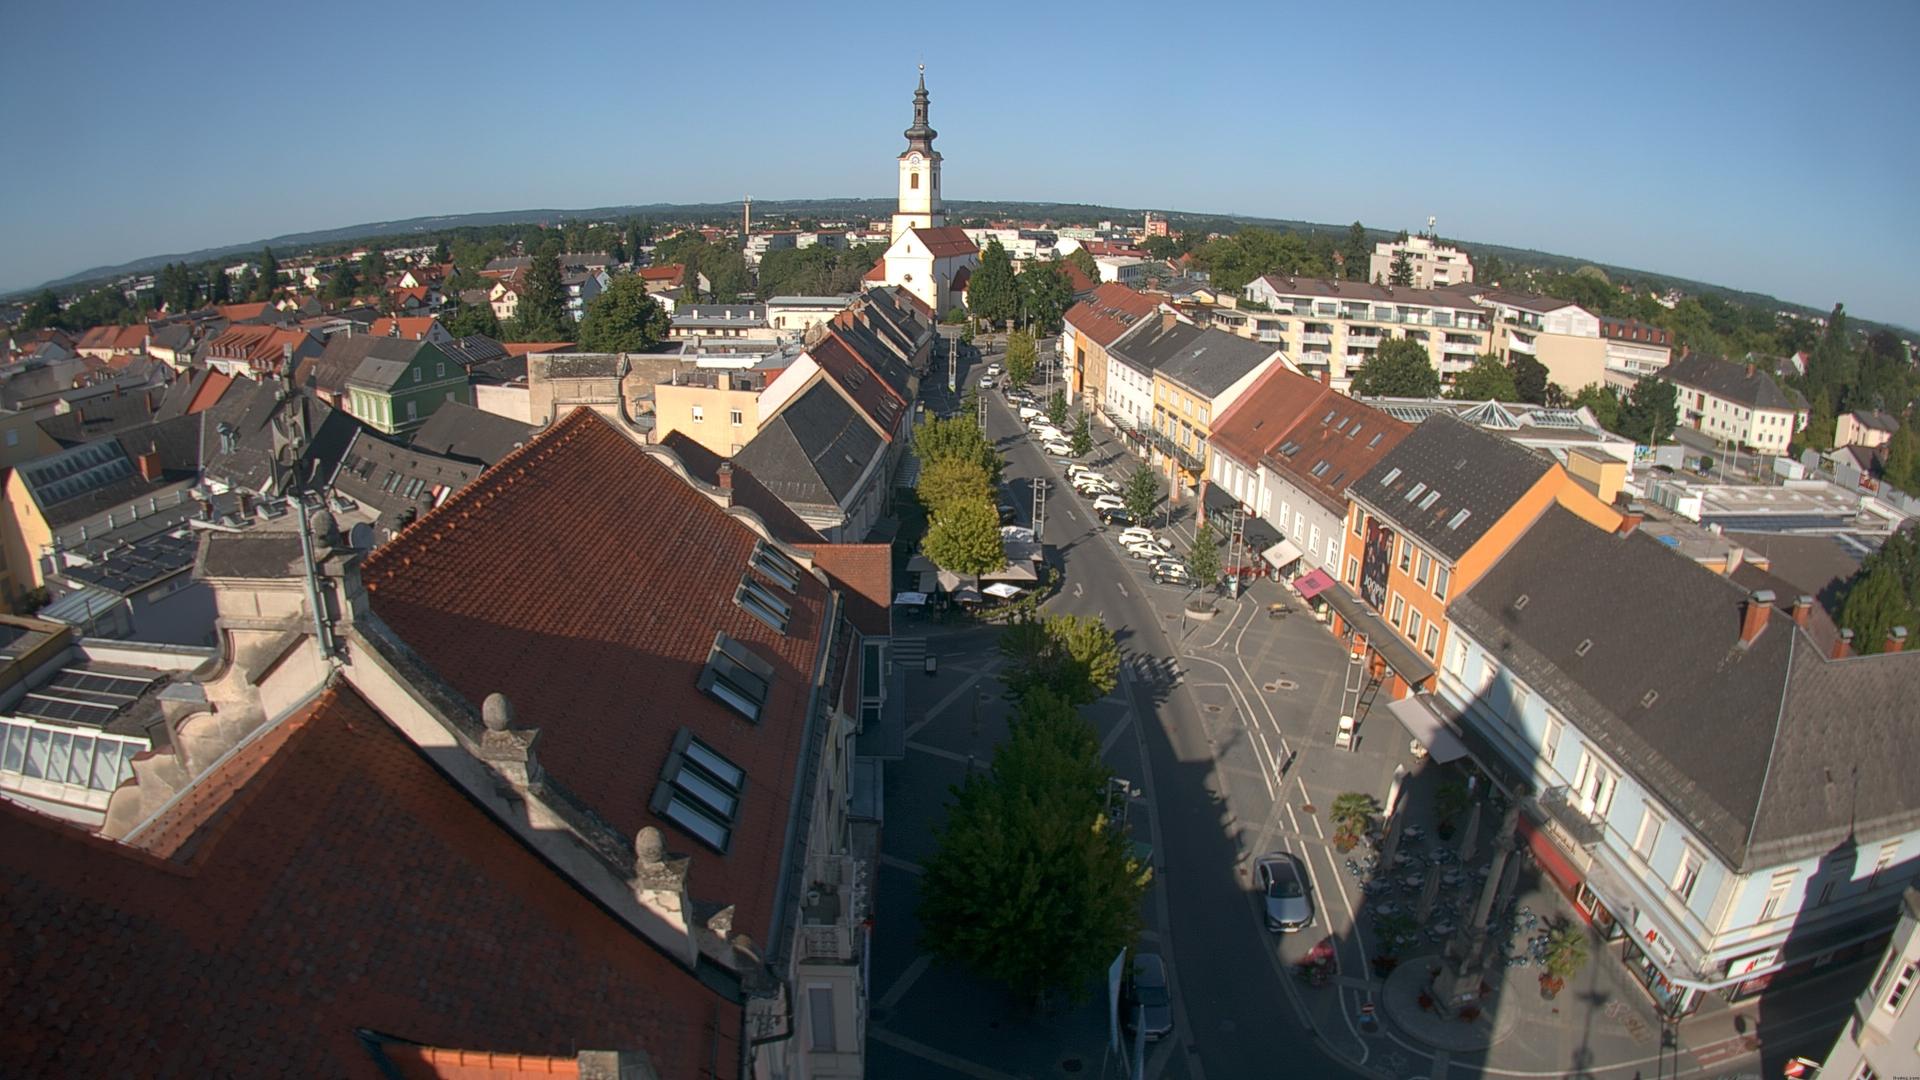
pixel 920 136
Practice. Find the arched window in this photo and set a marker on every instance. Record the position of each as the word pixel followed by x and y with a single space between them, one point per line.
pixel 915 182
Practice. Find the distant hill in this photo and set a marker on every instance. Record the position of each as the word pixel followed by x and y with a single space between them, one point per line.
pixel 862 209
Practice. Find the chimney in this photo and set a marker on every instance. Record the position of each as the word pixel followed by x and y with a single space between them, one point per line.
pixel 1802 609
pixel 1629 521
pixel 149 466
pixel 725 480
pixel 1326 377
pixel 1842 648
pixel 1896 640
pixel 1754 620
pixel 1749 370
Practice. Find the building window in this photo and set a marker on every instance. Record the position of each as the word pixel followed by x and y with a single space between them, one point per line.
pixel 440 370
pixel 1902 985
pixel 1356 521
pixel 1353 571
pixel 413 410
pixel 1888 851
pixel 737 677
pixel 1425 567
pixel 1776 894
pixel 1457 659
pixel 1550 741
pixel 1596 783
pixel 1433 640
pixel 1406 555
pixel 820 1009
pixel 416 374
pixel 1688 874
pixel 1649 834
pixel 913 181
pixel 1414 622
pixel 1440 582
pixel 1399 607
pixel 699 413
pixel 1865 1072
pixel 1517 708
pixel 734 417
pixel 700 791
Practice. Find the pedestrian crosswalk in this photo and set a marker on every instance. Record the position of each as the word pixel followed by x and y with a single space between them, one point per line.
pixel 909 651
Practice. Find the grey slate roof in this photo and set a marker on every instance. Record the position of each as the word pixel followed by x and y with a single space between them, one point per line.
pixel 99 476
pixel 397 483
pixel 1473 470
pixel 386 361
pixel 258 554
pixel 814 452
pixel 1204 361
pixel 704 465
pixel 1736 740
pixel 464 433
pixel 1732 382
pixel 337 362
pixel 104 413
pixel 263 417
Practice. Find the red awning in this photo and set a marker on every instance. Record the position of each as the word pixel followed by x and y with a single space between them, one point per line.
pixel 1313 584
pixel 1549 857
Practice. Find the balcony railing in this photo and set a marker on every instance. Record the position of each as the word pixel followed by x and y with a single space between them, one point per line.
pixel 1467 347
pixel 1273 336
pixel 1520 344
pixel 1316 339
pixel 1180 454
pixel 832 910
pixel 1563 805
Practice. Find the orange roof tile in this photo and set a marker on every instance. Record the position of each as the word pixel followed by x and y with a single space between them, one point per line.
pixel 946 242
pixel 241 312
pixel 864 575
pixel 672 273
pixel 585 580
pixel 1284 409
pixel 1112 310
pixel 328 878
pixel 413 328
pixel 433 1063
pixel 211 389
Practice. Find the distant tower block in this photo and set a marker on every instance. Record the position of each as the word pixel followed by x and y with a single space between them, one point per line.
pixel 746 218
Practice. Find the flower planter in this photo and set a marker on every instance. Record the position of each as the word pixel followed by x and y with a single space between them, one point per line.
pixel 1200 609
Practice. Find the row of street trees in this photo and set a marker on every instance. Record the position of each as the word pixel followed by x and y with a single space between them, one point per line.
pixel 959 474
pixel 1033 885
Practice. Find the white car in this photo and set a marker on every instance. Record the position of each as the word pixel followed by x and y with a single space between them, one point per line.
pixel 1135 533
pixel 986 382
pixel 1049 434
pixel 1109 502
pixel 993 368
pixel 1147 551
pixel 1028 412
pixel 1075 470
pixel 1094 485
pixel 1057 448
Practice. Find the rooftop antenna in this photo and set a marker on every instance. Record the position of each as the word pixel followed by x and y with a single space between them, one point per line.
pixel 746 217
pixel 1432 230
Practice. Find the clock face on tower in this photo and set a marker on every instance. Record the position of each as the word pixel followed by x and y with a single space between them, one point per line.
pixel 913 159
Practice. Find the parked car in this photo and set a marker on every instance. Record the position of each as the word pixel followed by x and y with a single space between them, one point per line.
pixel 1138 532
pixel 1057 448
pixel 1169 572
pixel 1146 551
pixel 1092 484
pixel 1007 513
pixel 1110 516
pixel 993 368
pixel 986 382
pixel 1028 412
pixel 1287 901
pixel 1074 470
pixel 1108 502
pixel 1017 396
pixel 1146 1006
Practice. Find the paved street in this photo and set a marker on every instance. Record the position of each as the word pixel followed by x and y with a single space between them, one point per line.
pixel 1226 727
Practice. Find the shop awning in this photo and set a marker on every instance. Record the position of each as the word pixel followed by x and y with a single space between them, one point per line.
pixel 1426 725
pixel 1281 554
pixel 1312 584
pixel 1399 655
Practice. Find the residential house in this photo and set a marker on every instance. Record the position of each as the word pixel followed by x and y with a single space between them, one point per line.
pixel 1190 374
pixel 400 383
pixel 266 441
pixel 257 350
pixel 117 487
pixel 1089 329
pixel 172 343
pixel 1129 270
pixel 1883 1037
pixel 1732 801
pixel 465 433
pixel 798 314
pixel 33 383
pixel 721 321
pixel 76 419
pixel 1737 404
pixel 22 438
pixel 1634 350
pixel 1432 263
pixel 581 287
pixel 668 284
pixel 1562 335
pixel 1869 428
pixel 113 342
pixel 325 376
pixel 1424 524
pixel 1286 452
pixel 195 391
pixel 717 408
pixel 1335 326
pixel 504 296
pixel 381 488
pixel 411 328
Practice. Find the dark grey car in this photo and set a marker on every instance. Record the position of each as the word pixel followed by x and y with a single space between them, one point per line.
pixel 1285 897
pixel 1146 1004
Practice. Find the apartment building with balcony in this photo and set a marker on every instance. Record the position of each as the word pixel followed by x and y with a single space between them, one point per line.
pixel 1335 326
pixel 1563 336
pixel 1727 799
pixel 1434 264
pixel 1633 351
pixel 1883 1036
pixel 1737 404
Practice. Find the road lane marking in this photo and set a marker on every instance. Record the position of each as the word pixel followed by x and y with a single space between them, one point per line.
pixel 923 748
pixel 1076 588
pixel 938 1057
pixel 906 980
pixel 1122 587
pixel 1114 735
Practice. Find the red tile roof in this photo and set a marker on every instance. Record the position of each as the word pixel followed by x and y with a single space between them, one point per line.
pixel 586 581
pixel 860 383
pixel 242 312
pixel 670 274
pixel 879 271
pixel 413 328
pixel 946 242
pixel 1112 310
pixel 1286 409
pixel 260 346
pixel 433 1063
pixel 338 882
pixel 864 575
pixel 1081 282
pixel 212 388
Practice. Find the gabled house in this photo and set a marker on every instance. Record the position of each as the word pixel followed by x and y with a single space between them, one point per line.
pixel 1737 404
pixel 257 351
pixel 113 342
pixel 265 439
pixel 381 488
pixel 411 328
pixel 825 459
pixel 1092 325
pixel 464 433
pixel 581 287
pixel 399 384
pixel 1196 374
pixel 77 419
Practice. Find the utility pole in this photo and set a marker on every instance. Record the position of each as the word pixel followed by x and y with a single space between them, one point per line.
pixel 953 366
pixel 1039 510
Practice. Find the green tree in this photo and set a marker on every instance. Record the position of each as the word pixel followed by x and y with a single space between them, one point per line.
pixel 267 283
pixel 1356 252
pixel 43 312
pixel 373 267
pixel 948 481
pixel 1026 855
pixel 1400 273
pixel 965 538
pixel 219 287
pixel 247 285
pixel 442 255
pixel 1487 380
pixel 1081 438
pixel 464 319
pixel 1057 408
pixel 1022 357
pixel 344 284
pixel 623 318
pixel 1884 592
pixel 1083 259
pixel 1142 493
pixel 1650 412
pixel 1045 295
pixel 1398 368
pixel 992 293
pixel 1203 557
pixel 541 314
pixel 1822 424
pixel 1353 814
pixel 1157 247
pixel 1074 656
pixel 957 438
pixel 1531 380
pixel 1602 402
pixel 1902 468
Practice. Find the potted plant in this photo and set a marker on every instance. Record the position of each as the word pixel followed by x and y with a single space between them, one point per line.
pixel 1353 814
pixel 1566 952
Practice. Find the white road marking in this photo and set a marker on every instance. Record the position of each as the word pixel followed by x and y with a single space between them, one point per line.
pixel 1122 587
pixel 1076 588
pixel 1308 799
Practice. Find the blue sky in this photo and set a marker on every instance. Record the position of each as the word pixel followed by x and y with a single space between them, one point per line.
pixel 1753 145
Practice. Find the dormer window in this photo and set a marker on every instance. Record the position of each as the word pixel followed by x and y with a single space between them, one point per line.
pixel 762 604
pixel 737 677
pixel 700 791
pixel 774 563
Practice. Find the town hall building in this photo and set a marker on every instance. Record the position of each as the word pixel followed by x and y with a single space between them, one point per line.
pixel 927 257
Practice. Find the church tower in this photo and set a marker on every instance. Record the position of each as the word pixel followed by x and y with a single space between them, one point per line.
pixel 919 172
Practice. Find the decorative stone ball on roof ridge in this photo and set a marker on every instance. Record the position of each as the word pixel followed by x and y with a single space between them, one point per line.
pixel 648 845
pixel 496 712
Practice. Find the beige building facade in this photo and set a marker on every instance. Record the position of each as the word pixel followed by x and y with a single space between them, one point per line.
pixel 1564 337
pixel 1433 264
pixel 1334 327
pixel 720 410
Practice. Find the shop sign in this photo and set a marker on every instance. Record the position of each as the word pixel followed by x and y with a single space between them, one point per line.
pixel 1650 937
pixel 1753 963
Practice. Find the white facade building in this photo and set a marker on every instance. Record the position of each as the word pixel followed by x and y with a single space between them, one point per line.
pixel 1433 264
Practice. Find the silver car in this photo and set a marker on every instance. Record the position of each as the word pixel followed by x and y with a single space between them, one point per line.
pixel 1145 1004
pixel 1287 902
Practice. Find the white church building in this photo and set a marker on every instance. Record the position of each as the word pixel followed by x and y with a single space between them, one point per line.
pixel 927 257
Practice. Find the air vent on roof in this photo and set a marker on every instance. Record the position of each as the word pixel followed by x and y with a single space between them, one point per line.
pixel 1585 646
pixel 1459 519
pixel 1647 701
pixel 1414 491
pixel 1520 603
pixel 1392 474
